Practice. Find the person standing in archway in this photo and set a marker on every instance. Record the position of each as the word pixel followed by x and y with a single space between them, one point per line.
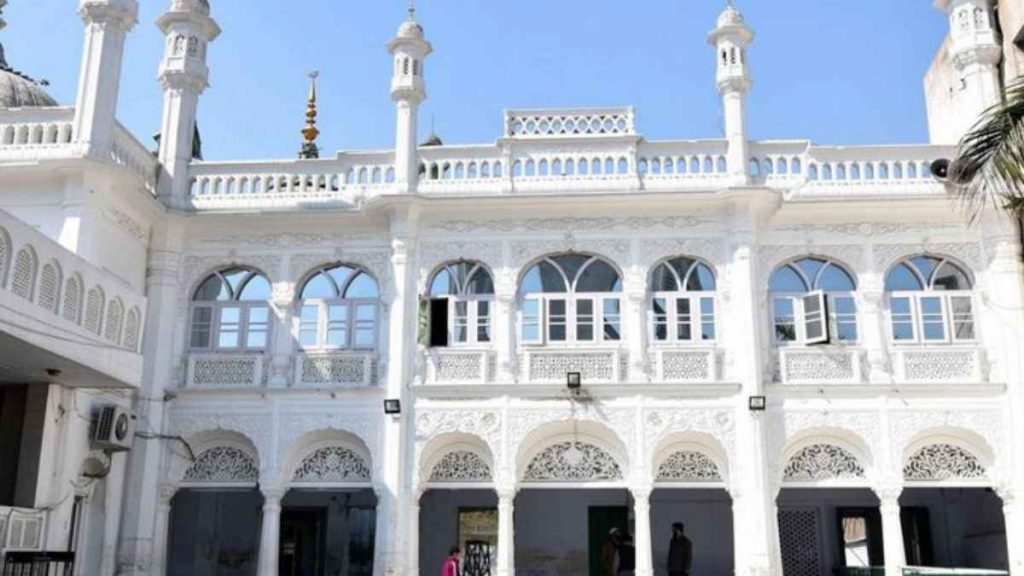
pixel 680 552
pixel 451 563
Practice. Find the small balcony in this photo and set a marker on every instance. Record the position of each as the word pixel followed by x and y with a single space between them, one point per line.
pixel 455 366
pixel 336 370
pixel 684 365
pixel 818 365
pixel 226 371
pixel 938 365
pixel 549 366
pixel 22 530
pixel 65 319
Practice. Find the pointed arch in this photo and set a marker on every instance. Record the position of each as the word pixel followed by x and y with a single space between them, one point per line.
pixel 49 286
pixel 23 276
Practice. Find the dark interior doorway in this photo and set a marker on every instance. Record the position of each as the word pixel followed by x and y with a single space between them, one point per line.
pixel 303 537
pixel 601 520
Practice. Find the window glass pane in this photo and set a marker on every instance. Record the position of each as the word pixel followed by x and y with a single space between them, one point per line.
pixel 786 279
pixel 483 321
pixel 556 321
pixel 460 323
pixel 933 325
pixel 963 318
pixel 362 287
pixel 926 265
pixel 256 333
pixel 701 279
pixel 684 319
pixel 660 310
pixel 366 326
pixel 707 312
pixel 480 283
pixel 844 318
pixel 950 277
pixel 212 289
pixel 531 320
pixel 810 267
pixel 571 264
pixel 585 320
pixel 814 328
pixel 340 275
pixel 230 324
pixel 320 287
pixel 543 278
pixel 612 319
pixel 337 326
pixel 442 284
pixel 902 319
pixel 201 325
pixel 255 290
pixel 835 279
pixel 308 320
pixel 599 276
pixel 234 278
pixel 664 279
pixel 785 320
pixel 902 279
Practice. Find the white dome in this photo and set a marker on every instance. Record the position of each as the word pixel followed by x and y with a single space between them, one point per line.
pixel 410 29
pixel 18 90
pixel 730 17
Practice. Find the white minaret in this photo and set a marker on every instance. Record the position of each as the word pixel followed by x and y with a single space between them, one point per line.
pixel 730 39
pixel 974 52
pixel 409 50
pixel 188 29
pixel 107 23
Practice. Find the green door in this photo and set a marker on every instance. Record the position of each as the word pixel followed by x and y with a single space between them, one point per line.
pixel 600 521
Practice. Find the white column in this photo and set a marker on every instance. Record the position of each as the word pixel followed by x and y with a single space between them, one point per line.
pixel 734 103
pixel 892 529
pixel 872 323
pixel 107 23
pixel 634 323
pixel 506 531
pixel 1013 514
pixel 406 158
pixel 162 532
pixel 414 534
pixel 642 537
pixel 270 534
pixel 505 325
pixel 282 344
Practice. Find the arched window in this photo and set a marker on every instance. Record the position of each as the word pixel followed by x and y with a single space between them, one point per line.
pixel 73 299
pixel 230 311
pixel 338 309
pixel 571 298
pixel 461 304
pixel 683 301
pixel 930 301
pixel 813 303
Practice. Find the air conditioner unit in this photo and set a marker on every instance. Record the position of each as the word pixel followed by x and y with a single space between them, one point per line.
pixel 115 429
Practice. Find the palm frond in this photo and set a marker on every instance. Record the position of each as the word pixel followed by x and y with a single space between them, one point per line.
pixel 989 167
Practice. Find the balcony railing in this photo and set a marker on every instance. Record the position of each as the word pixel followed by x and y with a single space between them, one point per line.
pixel 938 365
pixel 21 529
pixel 550 366
pixel 827 365
pixel 336 370
pixel 39 564
pixel 225 371
pixel 684 365
pixel 36 134
pixel 459 366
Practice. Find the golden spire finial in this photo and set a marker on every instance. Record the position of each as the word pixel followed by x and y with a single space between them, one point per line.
pixel 311 132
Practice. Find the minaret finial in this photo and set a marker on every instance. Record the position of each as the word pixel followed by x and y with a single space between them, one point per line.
pixel 309 148
pixel 412 9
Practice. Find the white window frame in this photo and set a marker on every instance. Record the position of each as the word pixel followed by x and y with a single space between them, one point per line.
pixel 216 323
pixel 917 318
pixel 571 318
pixel 473 323
pixel 800 320
pixel 352 305
pixel 697 317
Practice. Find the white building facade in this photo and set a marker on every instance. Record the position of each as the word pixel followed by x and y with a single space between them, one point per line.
pixel 803 353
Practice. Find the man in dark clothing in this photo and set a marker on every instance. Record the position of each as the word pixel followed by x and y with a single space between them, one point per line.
pixel 680 552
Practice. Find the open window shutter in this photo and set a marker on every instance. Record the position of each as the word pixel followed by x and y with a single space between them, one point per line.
pixel 423 323
pixel 815 318
pixel 438 322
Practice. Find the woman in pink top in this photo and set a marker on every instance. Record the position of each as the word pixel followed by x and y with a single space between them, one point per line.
pixel 451 563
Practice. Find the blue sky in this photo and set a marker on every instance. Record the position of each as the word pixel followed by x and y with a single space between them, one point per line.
pixel 836 72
